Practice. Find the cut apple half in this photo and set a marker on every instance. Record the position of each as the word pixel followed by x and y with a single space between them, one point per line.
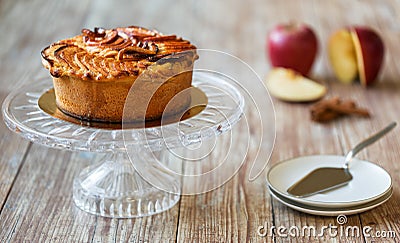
pixel 370 51
pixel 287 85
pixel 342 55
pixel 356 52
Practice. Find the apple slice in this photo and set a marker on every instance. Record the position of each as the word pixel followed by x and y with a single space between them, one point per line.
pixel 370 50
pixel 287 85
pixel 342 55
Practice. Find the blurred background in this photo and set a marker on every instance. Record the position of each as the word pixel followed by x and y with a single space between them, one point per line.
pixel 28 26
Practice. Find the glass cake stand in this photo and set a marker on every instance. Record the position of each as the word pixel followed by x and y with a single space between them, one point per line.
pixel 112 186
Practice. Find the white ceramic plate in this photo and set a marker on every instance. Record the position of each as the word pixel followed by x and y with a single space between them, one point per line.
pixel 369 182
pixel 331 211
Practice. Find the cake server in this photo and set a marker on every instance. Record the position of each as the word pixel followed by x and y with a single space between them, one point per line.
pixel 328 178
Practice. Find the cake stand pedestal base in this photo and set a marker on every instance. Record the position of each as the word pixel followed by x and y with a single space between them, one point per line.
pixel 113 188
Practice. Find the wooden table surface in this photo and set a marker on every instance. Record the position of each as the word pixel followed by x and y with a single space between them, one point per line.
pixel 36 182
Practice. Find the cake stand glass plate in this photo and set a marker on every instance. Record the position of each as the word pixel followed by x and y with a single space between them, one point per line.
pixel 369 182
pixel 112 187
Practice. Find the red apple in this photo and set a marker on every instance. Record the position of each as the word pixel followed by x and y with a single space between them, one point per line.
pixel 356 52
pixel 370 51
pixel 292 46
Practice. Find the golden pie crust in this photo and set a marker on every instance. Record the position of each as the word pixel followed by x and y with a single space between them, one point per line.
pixel 94 72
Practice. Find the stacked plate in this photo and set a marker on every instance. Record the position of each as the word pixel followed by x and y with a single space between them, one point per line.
pixel 370 187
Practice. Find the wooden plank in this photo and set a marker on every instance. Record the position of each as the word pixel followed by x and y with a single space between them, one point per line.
pixel 44 210
pixel 12 150
pixel 237 207
pixel 40 205
pixel 37 196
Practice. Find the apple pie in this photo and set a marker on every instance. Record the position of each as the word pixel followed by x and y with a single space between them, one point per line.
pixel 94 72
